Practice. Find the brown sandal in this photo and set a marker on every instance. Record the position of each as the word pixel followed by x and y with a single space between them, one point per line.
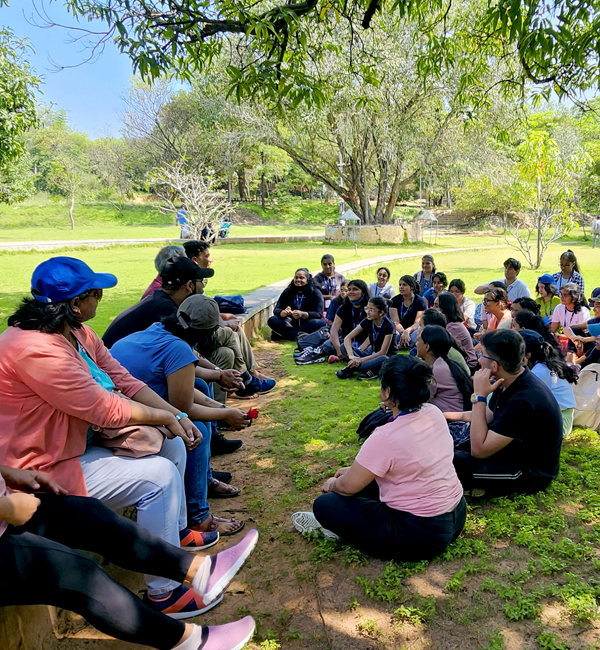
pixel 219 490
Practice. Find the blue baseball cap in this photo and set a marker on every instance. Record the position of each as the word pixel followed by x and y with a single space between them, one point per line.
pixel 546 279
pixel 63 278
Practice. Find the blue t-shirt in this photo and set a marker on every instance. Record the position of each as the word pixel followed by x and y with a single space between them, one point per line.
pixel 561 388
pixel 98 375
pixel 152 355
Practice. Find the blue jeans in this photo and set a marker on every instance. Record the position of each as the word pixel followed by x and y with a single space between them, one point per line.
pixel 198 472
pixel 372 364
pixel 595 240
pixel 196 477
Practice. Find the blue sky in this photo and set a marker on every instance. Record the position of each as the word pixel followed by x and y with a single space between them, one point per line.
pixel 90 93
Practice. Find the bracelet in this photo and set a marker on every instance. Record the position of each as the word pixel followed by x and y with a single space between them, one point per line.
pixel 181 416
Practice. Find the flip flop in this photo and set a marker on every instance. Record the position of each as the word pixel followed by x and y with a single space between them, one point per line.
pixel 230 490
pixel 218 520
pixel 214 524
pixel 244 397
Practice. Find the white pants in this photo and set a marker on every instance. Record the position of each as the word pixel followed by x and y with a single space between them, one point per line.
pixel 153 484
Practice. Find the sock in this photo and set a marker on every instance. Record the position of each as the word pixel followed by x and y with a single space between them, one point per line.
pixel 200 580
pixel 193 642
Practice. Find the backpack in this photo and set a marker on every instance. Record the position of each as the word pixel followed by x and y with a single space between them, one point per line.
pixel 231 304
pixel 587 396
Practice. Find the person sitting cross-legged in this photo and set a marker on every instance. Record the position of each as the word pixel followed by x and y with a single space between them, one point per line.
pixel 299 309
pixel 401 498
pixel 39 529
pixel 231 334
pixel 368 357
pixel 515 441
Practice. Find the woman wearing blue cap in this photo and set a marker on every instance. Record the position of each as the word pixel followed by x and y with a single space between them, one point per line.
pixel 57 379
pixel 548 296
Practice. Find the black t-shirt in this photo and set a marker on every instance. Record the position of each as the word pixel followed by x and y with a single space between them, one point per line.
pixel 528 413
pixel 139 317
pixel 377 335
pixel 351 317
pixel 308 301
pixel 407 315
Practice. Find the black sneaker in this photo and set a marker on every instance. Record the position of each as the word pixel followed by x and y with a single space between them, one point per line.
pixel 344 373
pixel 309 356
pixel 220 445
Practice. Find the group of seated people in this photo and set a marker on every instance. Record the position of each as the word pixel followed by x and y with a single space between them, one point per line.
pixel 130 420
pixel 479 406
pixel 89 426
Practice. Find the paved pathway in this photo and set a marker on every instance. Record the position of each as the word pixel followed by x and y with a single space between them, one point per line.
pixel 100 243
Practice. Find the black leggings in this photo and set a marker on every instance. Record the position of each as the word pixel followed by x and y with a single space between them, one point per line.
pixel 39 567
pixel 381 531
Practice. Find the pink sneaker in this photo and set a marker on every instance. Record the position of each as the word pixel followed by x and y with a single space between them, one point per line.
pixel 333 359
pixel 231 636
pixel 218 571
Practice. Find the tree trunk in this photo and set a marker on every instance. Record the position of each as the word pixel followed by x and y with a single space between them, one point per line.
pixel 263 185
pixel 71 209
pixel 229 186
pixel 539 225
pixel 242 183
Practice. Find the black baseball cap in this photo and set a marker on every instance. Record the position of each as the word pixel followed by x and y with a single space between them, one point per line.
pixel 181 270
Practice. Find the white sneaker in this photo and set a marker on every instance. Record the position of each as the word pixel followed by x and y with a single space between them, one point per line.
pixel 306 522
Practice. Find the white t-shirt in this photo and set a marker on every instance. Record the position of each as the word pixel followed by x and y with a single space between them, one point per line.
pixel 518 289
pixel 412 460
pixel 569 318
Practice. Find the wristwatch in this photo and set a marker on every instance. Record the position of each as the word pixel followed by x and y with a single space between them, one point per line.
pixel 477 398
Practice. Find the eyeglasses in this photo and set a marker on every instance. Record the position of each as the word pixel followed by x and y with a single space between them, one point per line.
pixel 486 300
pixel 480 355
pixel 372 309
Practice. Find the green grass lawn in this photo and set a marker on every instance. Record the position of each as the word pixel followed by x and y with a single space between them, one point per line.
pixel 241 268
pixel 44 218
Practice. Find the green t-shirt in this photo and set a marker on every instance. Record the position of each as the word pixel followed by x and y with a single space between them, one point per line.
pixel 455 355
pixel 546 308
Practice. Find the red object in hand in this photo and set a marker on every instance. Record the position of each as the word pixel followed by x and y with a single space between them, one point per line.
pixel 252 414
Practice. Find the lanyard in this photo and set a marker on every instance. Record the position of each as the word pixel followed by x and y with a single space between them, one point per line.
pixel 405 412
pixel 546 314
pixel 331 286
pixel 561 280
pixel 426 283
pixel 375 335
pixel 356 322
pixel 299 299
pixel 570 320
pixel 403 311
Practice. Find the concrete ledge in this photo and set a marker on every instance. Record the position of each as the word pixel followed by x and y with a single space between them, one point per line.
pixel 260 303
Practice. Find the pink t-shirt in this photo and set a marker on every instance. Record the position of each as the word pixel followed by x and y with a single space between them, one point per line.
pixel 3 493
pixel 443 389
pixel 412 460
